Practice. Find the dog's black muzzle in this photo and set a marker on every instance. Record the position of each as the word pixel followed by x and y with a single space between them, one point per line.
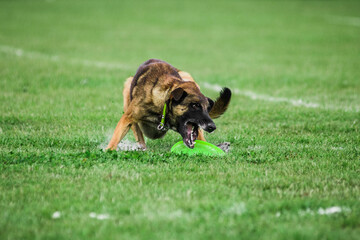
pixel 210 127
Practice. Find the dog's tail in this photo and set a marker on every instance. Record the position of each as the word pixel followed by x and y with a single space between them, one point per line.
pixel 221 103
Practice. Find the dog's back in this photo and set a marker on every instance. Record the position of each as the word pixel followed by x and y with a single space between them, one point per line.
pixel 149 73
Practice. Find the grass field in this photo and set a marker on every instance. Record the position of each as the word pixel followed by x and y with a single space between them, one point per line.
pixel 293 171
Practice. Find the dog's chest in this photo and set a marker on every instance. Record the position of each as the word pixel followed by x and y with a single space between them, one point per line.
pixel 150 130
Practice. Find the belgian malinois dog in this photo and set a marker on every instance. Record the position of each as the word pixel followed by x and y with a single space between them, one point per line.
pixel 160 97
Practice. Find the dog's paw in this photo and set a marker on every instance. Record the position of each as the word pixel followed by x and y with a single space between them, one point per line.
pixel 225 146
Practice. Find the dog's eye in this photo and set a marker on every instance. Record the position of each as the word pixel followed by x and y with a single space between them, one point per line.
pixel 195 105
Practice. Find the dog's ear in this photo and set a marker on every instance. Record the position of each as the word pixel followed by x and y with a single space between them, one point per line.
pixel 178 94
pixel 211 104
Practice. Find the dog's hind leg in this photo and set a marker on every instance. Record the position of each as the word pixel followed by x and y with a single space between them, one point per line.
pixel 187 77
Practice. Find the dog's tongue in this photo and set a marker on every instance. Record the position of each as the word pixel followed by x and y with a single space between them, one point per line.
pixel 189 128
pixel 189 141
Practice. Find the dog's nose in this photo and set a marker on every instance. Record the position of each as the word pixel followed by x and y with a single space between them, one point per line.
pixel 210 127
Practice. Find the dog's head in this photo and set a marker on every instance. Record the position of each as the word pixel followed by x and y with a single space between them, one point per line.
pixel 190 110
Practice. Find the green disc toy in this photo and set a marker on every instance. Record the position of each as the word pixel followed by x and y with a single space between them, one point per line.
pixel 200 148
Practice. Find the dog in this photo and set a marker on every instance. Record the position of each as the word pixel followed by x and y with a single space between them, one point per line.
pixel 160 97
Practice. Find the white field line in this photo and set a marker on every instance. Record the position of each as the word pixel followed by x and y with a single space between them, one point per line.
pixel 326 211
pixel 267 98
pixel 54 58
pixel 108 65
pixel 351 21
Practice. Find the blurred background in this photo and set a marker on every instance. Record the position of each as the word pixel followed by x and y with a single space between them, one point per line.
pixel 306 49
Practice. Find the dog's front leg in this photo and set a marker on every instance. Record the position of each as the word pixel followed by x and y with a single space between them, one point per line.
pixel 138 135
pixel 201 135
pixel 121 130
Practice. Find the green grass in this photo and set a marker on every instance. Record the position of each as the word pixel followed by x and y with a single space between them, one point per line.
pixel 62 67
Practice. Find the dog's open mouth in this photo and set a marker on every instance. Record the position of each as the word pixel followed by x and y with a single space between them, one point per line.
pixel 191 133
